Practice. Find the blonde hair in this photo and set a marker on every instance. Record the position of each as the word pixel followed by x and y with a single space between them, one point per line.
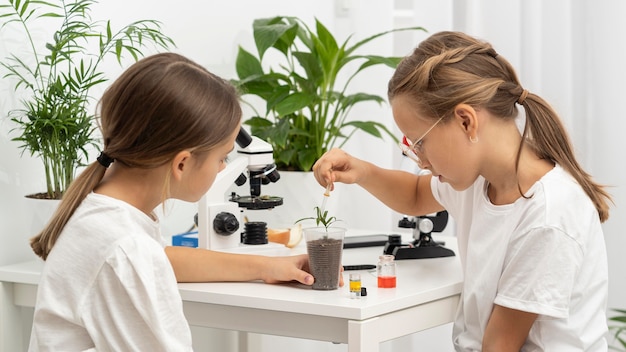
pixel 159 106
pixel 450 68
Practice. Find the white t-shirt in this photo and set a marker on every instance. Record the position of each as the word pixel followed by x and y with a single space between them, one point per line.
pixel 544 255
pixel 108 285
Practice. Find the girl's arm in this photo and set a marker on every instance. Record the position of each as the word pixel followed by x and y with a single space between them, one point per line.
pixel 201 265
pixel 507 329
pixel 402 191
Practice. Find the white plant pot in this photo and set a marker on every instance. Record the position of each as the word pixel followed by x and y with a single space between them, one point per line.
pixel 41 211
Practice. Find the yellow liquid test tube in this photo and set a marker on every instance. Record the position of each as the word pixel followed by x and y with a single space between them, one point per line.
pixel 355 285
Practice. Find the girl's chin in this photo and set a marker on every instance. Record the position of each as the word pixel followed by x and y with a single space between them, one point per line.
pixel 453 185
pixel 458 188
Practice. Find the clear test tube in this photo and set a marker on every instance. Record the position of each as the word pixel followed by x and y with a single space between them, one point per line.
pixel 355 285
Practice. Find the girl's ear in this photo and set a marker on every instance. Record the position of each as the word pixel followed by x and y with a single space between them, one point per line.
pixel 180 164
pixel 468 120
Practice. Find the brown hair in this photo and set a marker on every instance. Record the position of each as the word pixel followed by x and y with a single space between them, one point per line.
pixel 159 106
pixel 450 68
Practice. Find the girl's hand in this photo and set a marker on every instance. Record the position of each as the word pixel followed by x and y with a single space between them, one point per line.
pixel 338 166
pixel 285 269
pixel 290 268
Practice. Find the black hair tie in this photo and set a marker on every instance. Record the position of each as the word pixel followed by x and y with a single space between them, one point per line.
pixel 105 160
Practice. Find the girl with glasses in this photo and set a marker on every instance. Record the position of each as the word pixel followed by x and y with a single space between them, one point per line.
pixel 528 216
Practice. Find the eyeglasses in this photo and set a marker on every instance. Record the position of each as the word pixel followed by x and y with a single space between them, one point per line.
pixel 411 149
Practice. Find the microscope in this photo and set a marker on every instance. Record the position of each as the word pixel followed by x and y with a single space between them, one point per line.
pixel 423 245
pixel 219 218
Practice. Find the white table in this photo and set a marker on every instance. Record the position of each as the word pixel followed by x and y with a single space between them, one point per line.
pixel 426 296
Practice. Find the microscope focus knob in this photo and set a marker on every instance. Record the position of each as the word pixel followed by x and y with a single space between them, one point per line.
pixel 406 223
pixel 241 180
pixel 225 223
pixel 425 225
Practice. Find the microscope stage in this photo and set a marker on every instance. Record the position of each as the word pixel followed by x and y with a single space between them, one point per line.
pixel 257 202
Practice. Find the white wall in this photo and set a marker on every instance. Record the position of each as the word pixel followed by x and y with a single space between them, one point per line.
pixel 571 53
pixel 209 32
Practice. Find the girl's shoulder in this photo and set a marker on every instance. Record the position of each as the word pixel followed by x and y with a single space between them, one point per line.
pixel 557 201
pixel 560 188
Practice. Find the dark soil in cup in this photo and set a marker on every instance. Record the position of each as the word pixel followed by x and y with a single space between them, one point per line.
pixel 325 262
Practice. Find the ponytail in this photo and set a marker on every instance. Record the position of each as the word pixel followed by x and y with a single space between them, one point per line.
pixel 77 191
pixel 550 140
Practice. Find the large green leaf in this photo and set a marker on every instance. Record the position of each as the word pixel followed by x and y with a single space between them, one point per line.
pixel 326 40
pixel 257 121
pixel 278 95
pixel 247 65
pixel 367 126
pixel 351 49
pixel 267 32
pixel 311 66
pixel 372 60
pixel 351 100
pixel 293 102
pixel 307 157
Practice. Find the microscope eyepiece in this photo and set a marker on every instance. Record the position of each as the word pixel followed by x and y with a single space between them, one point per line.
pixel 243 138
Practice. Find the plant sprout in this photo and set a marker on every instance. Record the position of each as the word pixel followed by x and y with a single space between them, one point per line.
pixel 321 218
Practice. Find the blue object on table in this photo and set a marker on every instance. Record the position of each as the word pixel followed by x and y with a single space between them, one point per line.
pixel 187 239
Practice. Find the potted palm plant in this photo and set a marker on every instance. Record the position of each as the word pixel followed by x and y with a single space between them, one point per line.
pixel 306 104
pixel 617 327
pixel 54 79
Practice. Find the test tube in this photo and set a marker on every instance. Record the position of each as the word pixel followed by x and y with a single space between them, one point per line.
pixel 355 285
